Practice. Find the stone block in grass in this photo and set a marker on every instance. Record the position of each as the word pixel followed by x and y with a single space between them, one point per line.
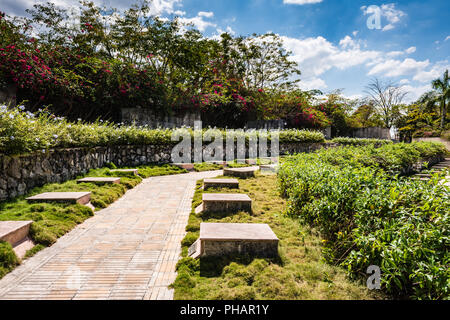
pixel 70 197
pixel 220 183
pixel 99 180
pixel 226 202
pixel 219 239
pixel 244 172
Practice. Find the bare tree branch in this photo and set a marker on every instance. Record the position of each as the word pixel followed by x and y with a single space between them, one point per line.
pixel 386 97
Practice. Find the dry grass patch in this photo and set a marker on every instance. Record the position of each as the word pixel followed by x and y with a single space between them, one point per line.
pixel 299 273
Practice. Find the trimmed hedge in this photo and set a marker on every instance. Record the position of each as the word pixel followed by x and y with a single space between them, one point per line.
pixel 360 141
pixel 22 132
pixel 369 217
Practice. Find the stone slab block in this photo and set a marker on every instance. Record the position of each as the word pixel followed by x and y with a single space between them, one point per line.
pixel 129 171
pixel 220 183
pixel 72 197
pixel 99 180
pixel 218 239
pixel 14 232
pixel 240 172
pixel 226 202
pixel 186 166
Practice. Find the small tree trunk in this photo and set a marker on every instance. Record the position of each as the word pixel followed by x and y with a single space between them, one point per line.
pixel 444 115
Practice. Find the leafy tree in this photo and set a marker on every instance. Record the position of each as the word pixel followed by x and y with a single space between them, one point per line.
pixel 366 116
pixel 442 88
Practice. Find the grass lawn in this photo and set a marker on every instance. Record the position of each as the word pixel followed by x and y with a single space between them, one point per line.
pixel 53 220
pixel 299 272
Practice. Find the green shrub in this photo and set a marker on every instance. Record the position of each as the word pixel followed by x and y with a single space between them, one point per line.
pixel 22 132
pixel 8 259
pixel 370 217
pixel 360 141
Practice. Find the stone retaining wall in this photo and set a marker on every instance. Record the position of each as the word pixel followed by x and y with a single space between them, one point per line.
pixel 19 174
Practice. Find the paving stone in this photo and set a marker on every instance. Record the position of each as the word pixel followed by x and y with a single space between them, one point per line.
pixel 220 183
pixel 129 171
pixel 226 202
pixel 240 172
pixel 217 239
pixel 73 197
pixel 187 166
pixel 14 232
pixel 100 180
pixel 97 259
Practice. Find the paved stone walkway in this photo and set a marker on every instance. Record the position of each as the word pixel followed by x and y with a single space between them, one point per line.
pixel 126 251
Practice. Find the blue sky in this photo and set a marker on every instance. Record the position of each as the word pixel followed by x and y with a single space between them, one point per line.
pixel 330 39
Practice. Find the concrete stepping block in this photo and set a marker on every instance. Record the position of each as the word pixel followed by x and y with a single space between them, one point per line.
pixel 240 172
pixel 226 202
pixel 218 239
pixel 268 160
pixel 220 183
pixel 72 197
pixel 99 180
pixel 14 231
pixel 222 163
pixel 17 234
pixel 186 166
pixel 268 168
pixel 126 171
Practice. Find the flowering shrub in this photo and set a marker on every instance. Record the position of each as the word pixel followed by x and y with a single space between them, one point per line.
pixel 22 131
pixel 368 217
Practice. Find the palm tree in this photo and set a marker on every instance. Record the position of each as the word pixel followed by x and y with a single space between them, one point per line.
pixel 442 88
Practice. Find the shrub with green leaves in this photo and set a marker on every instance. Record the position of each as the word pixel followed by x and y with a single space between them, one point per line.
pixel 360 141
pixel 22 132
pixel 370 217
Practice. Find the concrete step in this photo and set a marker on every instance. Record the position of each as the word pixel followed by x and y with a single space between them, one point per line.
pixel 269 168
pixel 220 183
pixel 99 180
pixel 17 234
pixel 268 160
pixel 186 166
pixel 70 197
pixel 218 239
pixel 226 202
pixel 240 172
pixel 126 171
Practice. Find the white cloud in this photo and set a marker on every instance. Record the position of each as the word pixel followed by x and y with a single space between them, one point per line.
pixel 199 21
pixel 411 50
pixel 435 72
pixel 317 55
pixel 392 15
pixel 314 83
pixel 396 68
pixel 414 93
pixel 301 2
pixel 448 38
pixel 208 14
pixel 157 7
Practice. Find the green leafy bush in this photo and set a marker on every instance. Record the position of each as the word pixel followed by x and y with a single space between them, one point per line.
pixel 22 131
pixel 360 141
pixel 8 259
pixel 370 217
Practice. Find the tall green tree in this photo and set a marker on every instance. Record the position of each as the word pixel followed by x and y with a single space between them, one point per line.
pixel 442 87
